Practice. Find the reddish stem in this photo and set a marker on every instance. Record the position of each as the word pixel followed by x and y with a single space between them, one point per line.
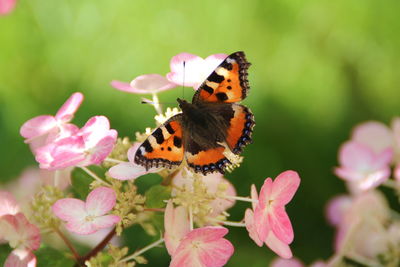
pixel 69 245
pixel 98 248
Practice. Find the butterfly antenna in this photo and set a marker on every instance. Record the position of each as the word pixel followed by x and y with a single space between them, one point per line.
pixel 183 82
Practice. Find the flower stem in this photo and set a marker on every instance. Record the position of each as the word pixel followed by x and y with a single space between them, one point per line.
pixel 191 218
pixel 246 199
pixel 94 176
pixel 229 223
pixel 99 247
pixel 114 160
pixel 154 209
pixel 156 104
pixel 56 178
pixel 69 245
pixel 138 253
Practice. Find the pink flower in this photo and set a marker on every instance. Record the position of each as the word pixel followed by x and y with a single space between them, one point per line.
pixel 337 208
pixel 374 135
pixel 145 84
pixel 192 74
pixel 130 170
pixel 15 229
pixel 8 204
pixel 44 129
pixel 362 227
pixel 6 6
pixel 90 145
pixel 88 217
pixel 203 247
pixel 362 167
pixel 176 225
pixel 195 70
pixel 280 248
pixel 270 211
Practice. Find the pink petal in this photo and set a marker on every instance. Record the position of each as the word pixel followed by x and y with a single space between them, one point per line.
pixel 150 83
pixel 105 221
pixel 68 209
pixel 210 249
pixel 122 86
pixel 280 224
pixel 280 248
pixel 100 201
pixel 355 156
pixel 6 6
pixel 212 62
pixel 20 258
pixel 81 227
pixel 191 74
pixel 278 262
pixel 284 187
pixel 207 234
pixel 95 129
pixel 383 159
pixel 373 134
pixel 336 209
pixel 261 212
pixel 19 232
pixel 130 170
pixel 8 204
pixel 176 225
pixel 102 149
pixel 373 180
pixel 132 151
pixel 38 126
pixel 251 228
pixel 126 171
pixel 217 253
pixel 64 153
pixel 265 193
pixel 397 172
pixel 68 109
pixel 214 182
pixel 254 196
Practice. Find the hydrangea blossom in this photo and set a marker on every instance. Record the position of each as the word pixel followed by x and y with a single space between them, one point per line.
pixel 176 225
pixel 191 70
pixel 362 167
pixel 15 229
pixel 7 6
pixel 361 224
pixel 186 70
pixel 90 216
pixel 269 223
pixel 45 129
pixel 203 247
pixel 90 145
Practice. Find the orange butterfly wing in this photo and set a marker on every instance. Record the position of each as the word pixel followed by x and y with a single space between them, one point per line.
pixel 164 147
pixel 227 83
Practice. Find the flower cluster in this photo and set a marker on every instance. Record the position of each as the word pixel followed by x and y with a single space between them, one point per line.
pixel 18 232
pixel 102 170
pixel 366 229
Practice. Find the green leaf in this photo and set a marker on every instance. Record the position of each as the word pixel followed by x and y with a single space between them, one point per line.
pixel 80 183
pixel 5 250
pixel 47 256
pixel 156 195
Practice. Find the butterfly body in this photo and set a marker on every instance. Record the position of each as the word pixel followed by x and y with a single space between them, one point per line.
pixel 212 123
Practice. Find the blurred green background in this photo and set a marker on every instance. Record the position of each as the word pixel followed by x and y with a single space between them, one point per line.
pixel 319 68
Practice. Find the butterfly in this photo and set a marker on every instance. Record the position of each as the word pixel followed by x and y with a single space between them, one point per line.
pixel 213 122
